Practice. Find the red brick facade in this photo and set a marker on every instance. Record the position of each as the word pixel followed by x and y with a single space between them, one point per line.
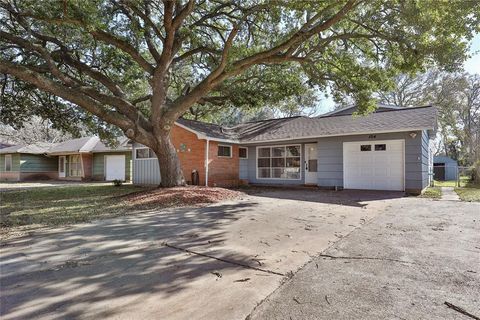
pixel 222 171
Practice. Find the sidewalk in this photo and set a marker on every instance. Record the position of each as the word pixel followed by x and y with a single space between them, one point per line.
pixel 448 193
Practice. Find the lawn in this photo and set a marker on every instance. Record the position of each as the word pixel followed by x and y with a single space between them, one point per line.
pixel 464 180
pixel 432 192
pixel 53 206
pixel 62 205
pixel 471 192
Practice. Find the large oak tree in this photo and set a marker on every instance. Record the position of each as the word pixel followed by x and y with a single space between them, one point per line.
pixel 141 64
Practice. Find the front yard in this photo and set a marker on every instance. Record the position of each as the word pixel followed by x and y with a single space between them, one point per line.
pixel 70 204
pixel 62 205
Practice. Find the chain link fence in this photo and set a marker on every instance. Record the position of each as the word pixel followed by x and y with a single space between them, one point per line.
pixel 452 176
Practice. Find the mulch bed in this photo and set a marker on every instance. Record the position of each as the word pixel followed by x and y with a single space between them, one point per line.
pixel 181 196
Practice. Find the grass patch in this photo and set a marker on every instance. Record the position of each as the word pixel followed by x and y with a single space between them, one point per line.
pixel 63 205
pixel 464 181
pixel 471 192
pixel 432 192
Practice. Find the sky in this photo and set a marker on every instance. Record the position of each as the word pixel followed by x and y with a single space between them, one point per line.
pixel 472 66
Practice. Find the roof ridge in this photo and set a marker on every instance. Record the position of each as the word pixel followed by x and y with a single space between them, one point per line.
pixel 380 111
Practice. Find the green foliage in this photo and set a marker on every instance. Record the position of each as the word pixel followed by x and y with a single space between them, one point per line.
pixel 117 183
pixel 359 54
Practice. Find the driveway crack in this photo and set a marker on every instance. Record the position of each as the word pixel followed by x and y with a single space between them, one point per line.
pixel 223 260
pixel 366 258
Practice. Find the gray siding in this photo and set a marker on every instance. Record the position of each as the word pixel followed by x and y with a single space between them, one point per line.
pixel 425 150
pixel 145 171
pixel 251 171
pixel 38 163
pixel 330 158
pixel 243 167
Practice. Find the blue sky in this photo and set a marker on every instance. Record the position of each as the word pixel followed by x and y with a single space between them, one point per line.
pixel 472 65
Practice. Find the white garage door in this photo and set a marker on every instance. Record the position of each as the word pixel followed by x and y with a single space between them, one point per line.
pixel 115 167
pixel 374 165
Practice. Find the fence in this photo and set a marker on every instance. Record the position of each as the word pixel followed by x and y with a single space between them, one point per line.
pixel 452 176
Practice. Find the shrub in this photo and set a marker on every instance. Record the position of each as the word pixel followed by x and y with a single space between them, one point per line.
pixel 117 182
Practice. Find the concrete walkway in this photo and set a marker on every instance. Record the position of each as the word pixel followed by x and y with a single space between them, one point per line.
pixel 448 193
pixel 405 264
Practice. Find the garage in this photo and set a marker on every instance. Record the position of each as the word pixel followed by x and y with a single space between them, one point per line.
pixel 374 165
pixel 115 167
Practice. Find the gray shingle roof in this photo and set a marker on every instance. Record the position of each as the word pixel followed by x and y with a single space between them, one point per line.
pixel 34 148
pixel 335 125
pixel 74 145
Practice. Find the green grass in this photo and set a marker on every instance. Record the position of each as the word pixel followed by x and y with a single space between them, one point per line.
pixel 464 180
pixel 432 192
pixel 471 192
pixel 52 206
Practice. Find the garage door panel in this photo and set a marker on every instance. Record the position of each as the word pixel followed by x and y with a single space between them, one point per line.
pixel 115 167
pixel 375 169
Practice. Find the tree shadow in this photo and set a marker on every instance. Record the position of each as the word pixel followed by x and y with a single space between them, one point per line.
pixel 54 272
pixel 354 198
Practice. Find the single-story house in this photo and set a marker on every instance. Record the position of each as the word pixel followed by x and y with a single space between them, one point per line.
pixel 29 162
pixel 444 168
pixel 80 159
pixel 389 149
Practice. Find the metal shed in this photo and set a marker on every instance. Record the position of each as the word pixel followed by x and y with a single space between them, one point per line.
pixel 445 168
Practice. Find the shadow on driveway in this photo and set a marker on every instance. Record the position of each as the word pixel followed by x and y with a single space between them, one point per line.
pixel 63 272
pixel 355 198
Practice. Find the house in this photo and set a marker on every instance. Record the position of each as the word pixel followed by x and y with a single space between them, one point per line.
pixel 81 159
pixel 389 149
pixel 444 168
pixel 29 162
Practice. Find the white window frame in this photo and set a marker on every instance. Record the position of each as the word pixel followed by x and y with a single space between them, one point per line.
pixel 225 145
pixel 276 146
pixel 9 156
pixel 246 157
pixel 141 148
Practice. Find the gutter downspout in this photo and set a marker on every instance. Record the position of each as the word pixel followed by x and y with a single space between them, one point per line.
pixel 206 162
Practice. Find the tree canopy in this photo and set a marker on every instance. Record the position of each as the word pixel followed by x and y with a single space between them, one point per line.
pixel 139 65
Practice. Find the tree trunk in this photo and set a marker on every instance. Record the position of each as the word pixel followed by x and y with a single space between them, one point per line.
pixel 170 170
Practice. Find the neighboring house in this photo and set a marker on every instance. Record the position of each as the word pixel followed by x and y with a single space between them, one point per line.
pixel 444 168
pixel 27 162
pixel 80 159
pixel 385 150
pixel 90 159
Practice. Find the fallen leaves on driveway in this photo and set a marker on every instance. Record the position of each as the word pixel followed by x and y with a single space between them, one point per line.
pixel 181 196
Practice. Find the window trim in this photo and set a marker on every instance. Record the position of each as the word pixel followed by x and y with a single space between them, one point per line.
pixel 11 163
pixel 274 146
pixel 246 149
pixel 141 148
pixel 227 146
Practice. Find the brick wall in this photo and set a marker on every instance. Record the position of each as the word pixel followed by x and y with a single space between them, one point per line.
pixel 191 152
pixel 223 171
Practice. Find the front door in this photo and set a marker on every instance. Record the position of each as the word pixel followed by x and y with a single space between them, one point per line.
pixel 311 163
pixel 61 166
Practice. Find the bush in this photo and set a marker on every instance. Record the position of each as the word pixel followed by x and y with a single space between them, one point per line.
pixel 117 182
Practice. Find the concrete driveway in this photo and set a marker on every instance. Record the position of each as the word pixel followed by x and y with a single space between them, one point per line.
pixel 404 264
pixel 236 254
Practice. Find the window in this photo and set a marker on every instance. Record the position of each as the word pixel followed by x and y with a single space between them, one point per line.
pixel 380 147
pixel 243 153
pixel 224 151
pixel 144 153
pixel 8 162
pixel 366 147
pixel 74 165
pixel 278 162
